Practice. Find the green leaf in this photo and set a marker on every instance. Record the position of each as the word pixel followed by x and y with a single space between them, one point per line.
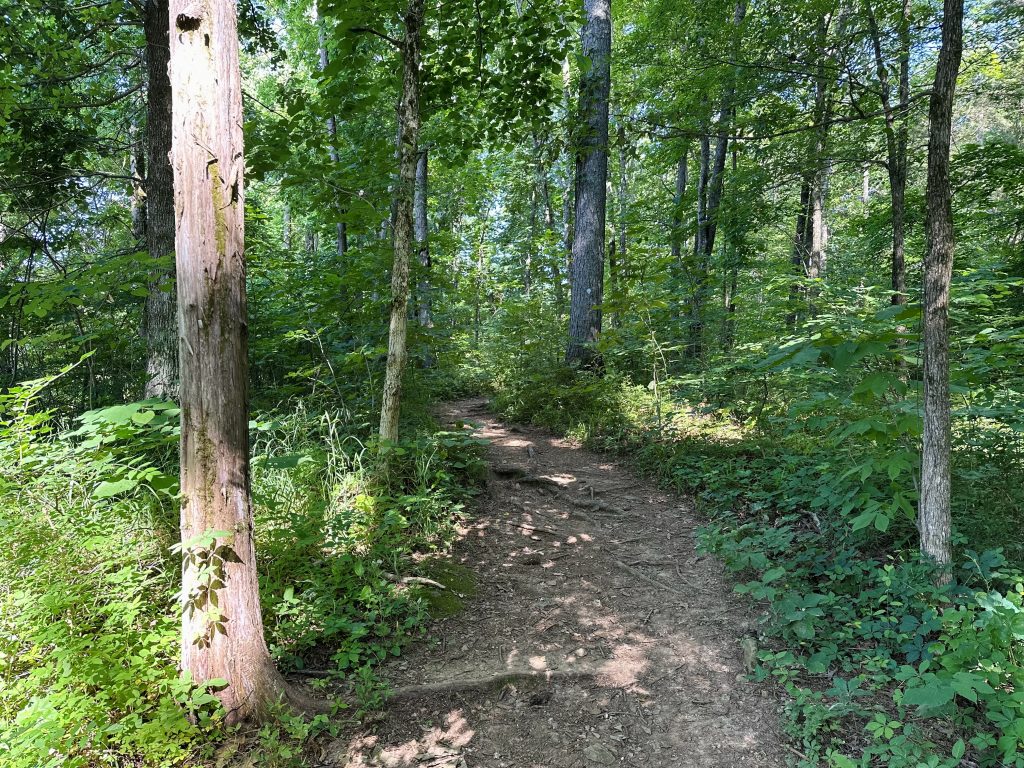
pixel 803 629
pixel 109 488
pixel 931 695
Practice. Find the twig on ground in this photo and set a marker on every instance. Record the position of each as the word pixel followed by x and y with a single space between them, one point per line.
pixel 420 580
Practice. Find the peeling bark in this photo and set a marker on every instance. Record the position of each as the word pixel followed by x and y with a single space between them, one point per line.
pixel 222 628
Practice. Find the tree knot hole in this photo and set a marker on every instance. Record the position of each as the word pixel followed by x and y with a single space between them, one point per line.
pixel 189 21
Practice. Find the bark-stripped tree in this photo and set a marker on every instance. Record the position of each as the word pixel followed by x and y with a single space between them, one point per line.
pixel 222 628
pixel 591 186
pixel 161 316
pixel 934 518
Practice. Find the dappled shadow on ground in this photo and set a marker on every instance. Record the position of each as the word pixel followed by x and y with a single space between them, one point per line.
pixel 596 635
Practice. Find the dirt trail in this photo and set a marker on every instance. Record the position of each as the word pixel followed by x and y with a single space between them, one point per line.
pixel 608 641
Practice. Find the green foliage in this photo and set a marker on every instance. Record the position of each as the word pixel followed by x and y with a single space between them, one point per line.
pixel 811 505
pixel 89 617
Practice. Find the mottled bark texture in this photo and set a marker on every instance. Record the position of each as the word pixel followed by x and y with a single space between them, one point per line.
pixel 222 628
pixel 161 314
pixel 933 520
pixel 591 186
pixel 402 229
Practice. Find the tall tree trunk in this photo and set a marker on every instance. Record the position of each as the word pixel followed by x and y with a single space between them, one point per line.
pixel 478 292
pixel 568 231
pixel 402 238
pixel 531 239
pixel 934 518
pixel 544 184
pixel 800 252
pixel 137 170
pixel 591 187
pixel 222 628
pixel 161 310
pixel 895 140
pixel 569 182
pixel 732 278
pixel 341 236
pixel 816 258
pixel 286 227
pixel 421 235
pixel 709 200
pixel 623 195
pixel 613 282
pixel 700 266
pixel 677 207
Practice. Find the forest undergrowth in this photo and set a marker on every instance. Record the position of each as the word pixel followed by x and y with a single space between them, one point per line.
pixel 801 456
pixel 89 612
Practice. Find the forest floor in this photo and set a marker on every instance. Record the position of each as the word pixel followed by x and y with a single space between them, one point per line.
pixel 595 635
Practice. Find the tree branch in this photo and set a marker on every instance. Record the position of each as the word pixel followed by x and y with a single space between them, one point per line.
pixel 381 35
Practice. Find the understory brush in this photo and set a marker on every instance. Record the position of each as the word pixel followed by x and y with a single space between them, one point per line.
pixel 809 497
pixel 89 618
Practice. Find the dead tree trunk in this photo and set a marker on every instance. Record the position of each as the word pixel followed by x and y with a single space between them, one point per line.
pixel 222 628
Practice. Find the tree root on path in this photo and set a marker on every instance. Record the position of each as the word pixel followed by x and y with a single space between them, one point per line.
pixel 649 580
pixel 538 529
pixel 596 505
pixel 539 480
pixel 499 680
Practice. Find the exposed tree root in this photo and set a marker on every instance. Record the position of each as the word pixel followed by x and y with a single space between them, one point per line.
pixel 649 580
pixel 539 529
pixel 596 505
pixel 497 681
